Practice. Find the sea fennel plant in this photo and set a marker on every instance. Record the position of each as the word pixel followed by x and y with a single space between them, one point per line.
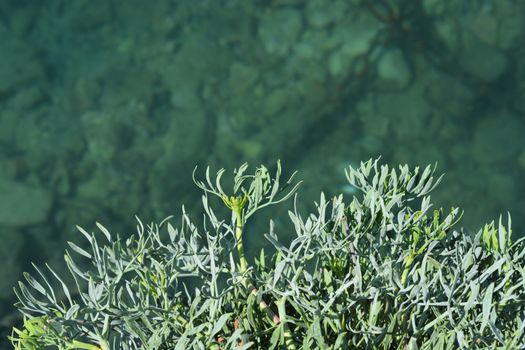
pixel 383 270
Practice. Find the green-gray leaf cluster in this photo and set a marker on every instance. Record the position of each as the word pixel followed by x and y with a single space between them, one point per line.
pixel 381 270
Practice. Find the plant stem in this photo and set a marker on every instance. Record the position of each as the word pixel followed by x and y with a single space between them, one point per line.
pixel 239 226
pixel 288 338
pixel 75 344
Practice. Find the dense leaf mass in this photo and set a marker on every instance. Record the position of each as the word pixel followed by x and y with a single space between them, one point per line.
pixel 382 271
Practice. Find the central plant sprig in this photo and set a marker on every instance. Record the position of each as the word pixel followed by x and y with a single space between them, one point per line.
pixel 261 191
pixel 236 205
pixel 258 191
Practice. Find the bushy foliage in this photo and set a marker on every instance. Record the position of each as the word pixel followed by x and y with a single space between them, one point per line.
pixel 382 271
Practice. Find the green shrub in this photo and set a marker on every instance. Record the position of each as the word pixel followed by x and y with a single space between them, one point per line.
pixel 383 271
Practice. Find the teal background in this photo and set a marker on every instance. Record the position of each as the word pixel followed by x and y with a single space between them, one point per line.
pixel 107 106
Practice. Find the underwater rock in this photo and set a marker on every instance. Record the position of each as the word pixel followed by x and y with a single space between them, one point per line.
pixel 502 186
pixel 449 32
pixel 23 205
pixel 521 160
pixel 11 268
pixel 481 60
pixel 396 114
pixel 19 66
pixel 183 73
pixel 320 13
pixel 511 28
pixel 496 138
pixel 501 25
pixel 28 98
pixel 355 38
pixel 314 44
pixel 242 77
pixel 279 30
pixel 276 101
pixel 393 70
pixel 447 94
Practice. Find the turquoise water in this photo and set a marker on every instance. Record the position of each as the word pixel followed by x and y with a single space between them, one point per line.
pixel 107 106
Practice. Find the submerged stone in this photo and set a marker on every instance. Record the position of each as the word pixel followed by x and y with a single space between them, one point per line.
pixel 393 70
pixel 23 205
